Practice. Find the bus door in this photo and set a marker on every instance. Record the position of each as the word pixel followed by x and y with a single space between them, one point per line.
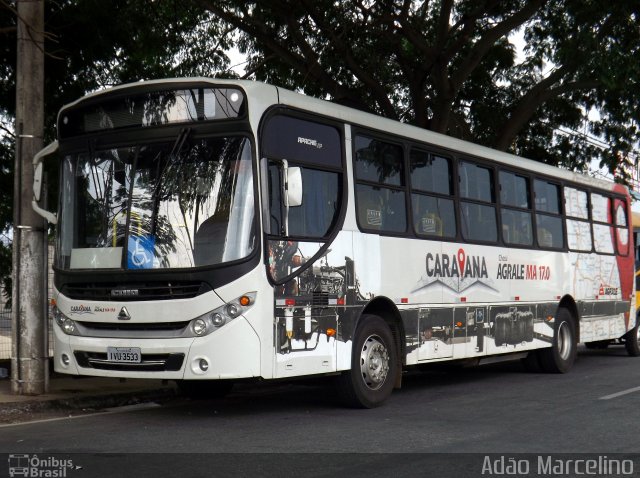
pixel 308 261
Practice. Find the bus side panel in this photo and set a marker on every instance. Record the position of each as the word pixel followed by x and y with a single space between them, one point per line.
pixel 624 243
pixel 595 284
pixel 315 311
pixel 461 300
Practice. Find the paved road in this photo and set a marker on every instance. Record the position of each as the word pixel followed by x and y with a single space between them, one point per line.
pixel 491 409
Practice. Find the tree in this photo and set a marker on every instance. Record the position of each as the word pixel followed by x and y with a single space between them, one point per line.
pixel 451 66
pixel 93 44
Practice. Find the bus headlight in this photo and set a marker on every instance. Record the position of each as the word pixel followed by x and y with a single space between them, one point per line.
pixel 58 316
pixel 217 319
pixel 233 310
pixel 199 326
pixel 67 325
pixel 212 321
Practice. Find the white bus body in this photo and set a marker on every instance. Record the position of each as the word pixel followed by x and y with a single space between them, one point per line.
pixel 339 228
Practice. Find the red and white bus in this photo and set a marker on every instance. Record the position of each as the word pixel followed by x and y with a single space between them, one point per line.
pixel 214 230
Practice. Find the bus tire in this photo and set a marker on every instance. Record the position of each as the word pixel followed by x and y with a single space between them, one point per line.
pixel 204 389
pixel 374 365
pixel 559 358
pixel 632 341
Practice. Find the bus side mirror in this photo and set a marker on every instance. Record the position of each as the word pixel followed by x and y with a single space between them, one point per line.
pixel 294 187
pixel 292 191
pixel 37 181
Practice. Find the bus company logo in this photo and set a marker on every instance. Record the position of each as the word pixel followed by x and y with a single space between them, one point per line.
pixel 456 265
pixel 81 309
pixel 457 272
pixel 310 142
pixel 33 465
pixel 100 308
pixel 606 290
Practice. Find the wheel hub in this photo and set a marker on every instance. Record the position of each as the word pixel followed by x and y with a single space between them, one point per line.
pixel 374 362
pixel 564 341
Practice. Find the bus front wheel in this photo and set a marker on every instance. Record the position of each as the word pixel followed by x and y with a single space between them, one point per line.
pixel 632 341
pixel 374 365
pixel 560 356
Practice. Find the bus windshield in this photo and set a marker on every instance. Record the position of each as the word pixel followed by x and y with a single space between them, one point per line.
pixel 176 204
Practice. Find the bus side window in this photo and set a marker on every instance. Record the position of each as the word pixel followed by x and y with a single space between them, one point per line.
pixel 370 206
pixel 433 216
pixel 431 195
pixel 380 193
pixel 320 204
pixel 603 229
pixel 549 229
pixel 478 211
pixel 515 209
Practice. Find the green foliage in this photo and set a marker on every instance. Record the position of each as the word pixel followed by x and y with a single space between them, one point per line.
pixel 452 66
pixel 93 44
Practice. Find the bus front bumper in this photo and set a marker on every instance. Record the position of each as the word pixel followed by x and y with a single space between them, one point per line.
pixel 231 352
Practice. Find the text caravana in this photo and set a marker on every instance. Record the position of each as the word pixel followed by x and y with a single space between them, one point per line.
pixel 81 309
pixel 456 265
pixel 85 309
pixel 457 272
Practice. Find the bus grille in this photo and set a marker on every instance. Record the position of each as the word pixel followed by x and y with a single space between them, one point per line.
pixel 131 330
pixel 135 292
pixel 135 327
pixel 149 363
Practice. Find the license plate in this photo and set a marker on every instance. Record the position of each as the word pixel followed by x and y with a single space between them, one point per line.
pixel 124 354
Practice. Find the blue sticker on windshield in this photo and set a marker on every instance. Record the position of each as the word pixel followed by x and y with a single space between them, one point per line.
pixel 140 253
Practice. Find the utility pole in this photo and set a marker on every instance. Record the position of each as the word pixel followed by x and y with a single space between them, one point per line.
pixel 29 372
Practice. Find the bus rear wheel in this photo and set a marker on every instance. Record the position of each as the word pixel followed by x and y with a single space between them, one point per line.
pixel 632 341
pixel 374 365
pixel 559 358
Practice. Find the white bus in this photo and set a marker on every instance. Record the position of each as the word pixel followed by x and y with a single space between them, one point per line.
pixel 210 231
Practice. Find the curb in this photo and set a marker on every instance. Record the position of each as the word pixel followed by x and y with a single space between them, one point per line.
pixel 11 412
